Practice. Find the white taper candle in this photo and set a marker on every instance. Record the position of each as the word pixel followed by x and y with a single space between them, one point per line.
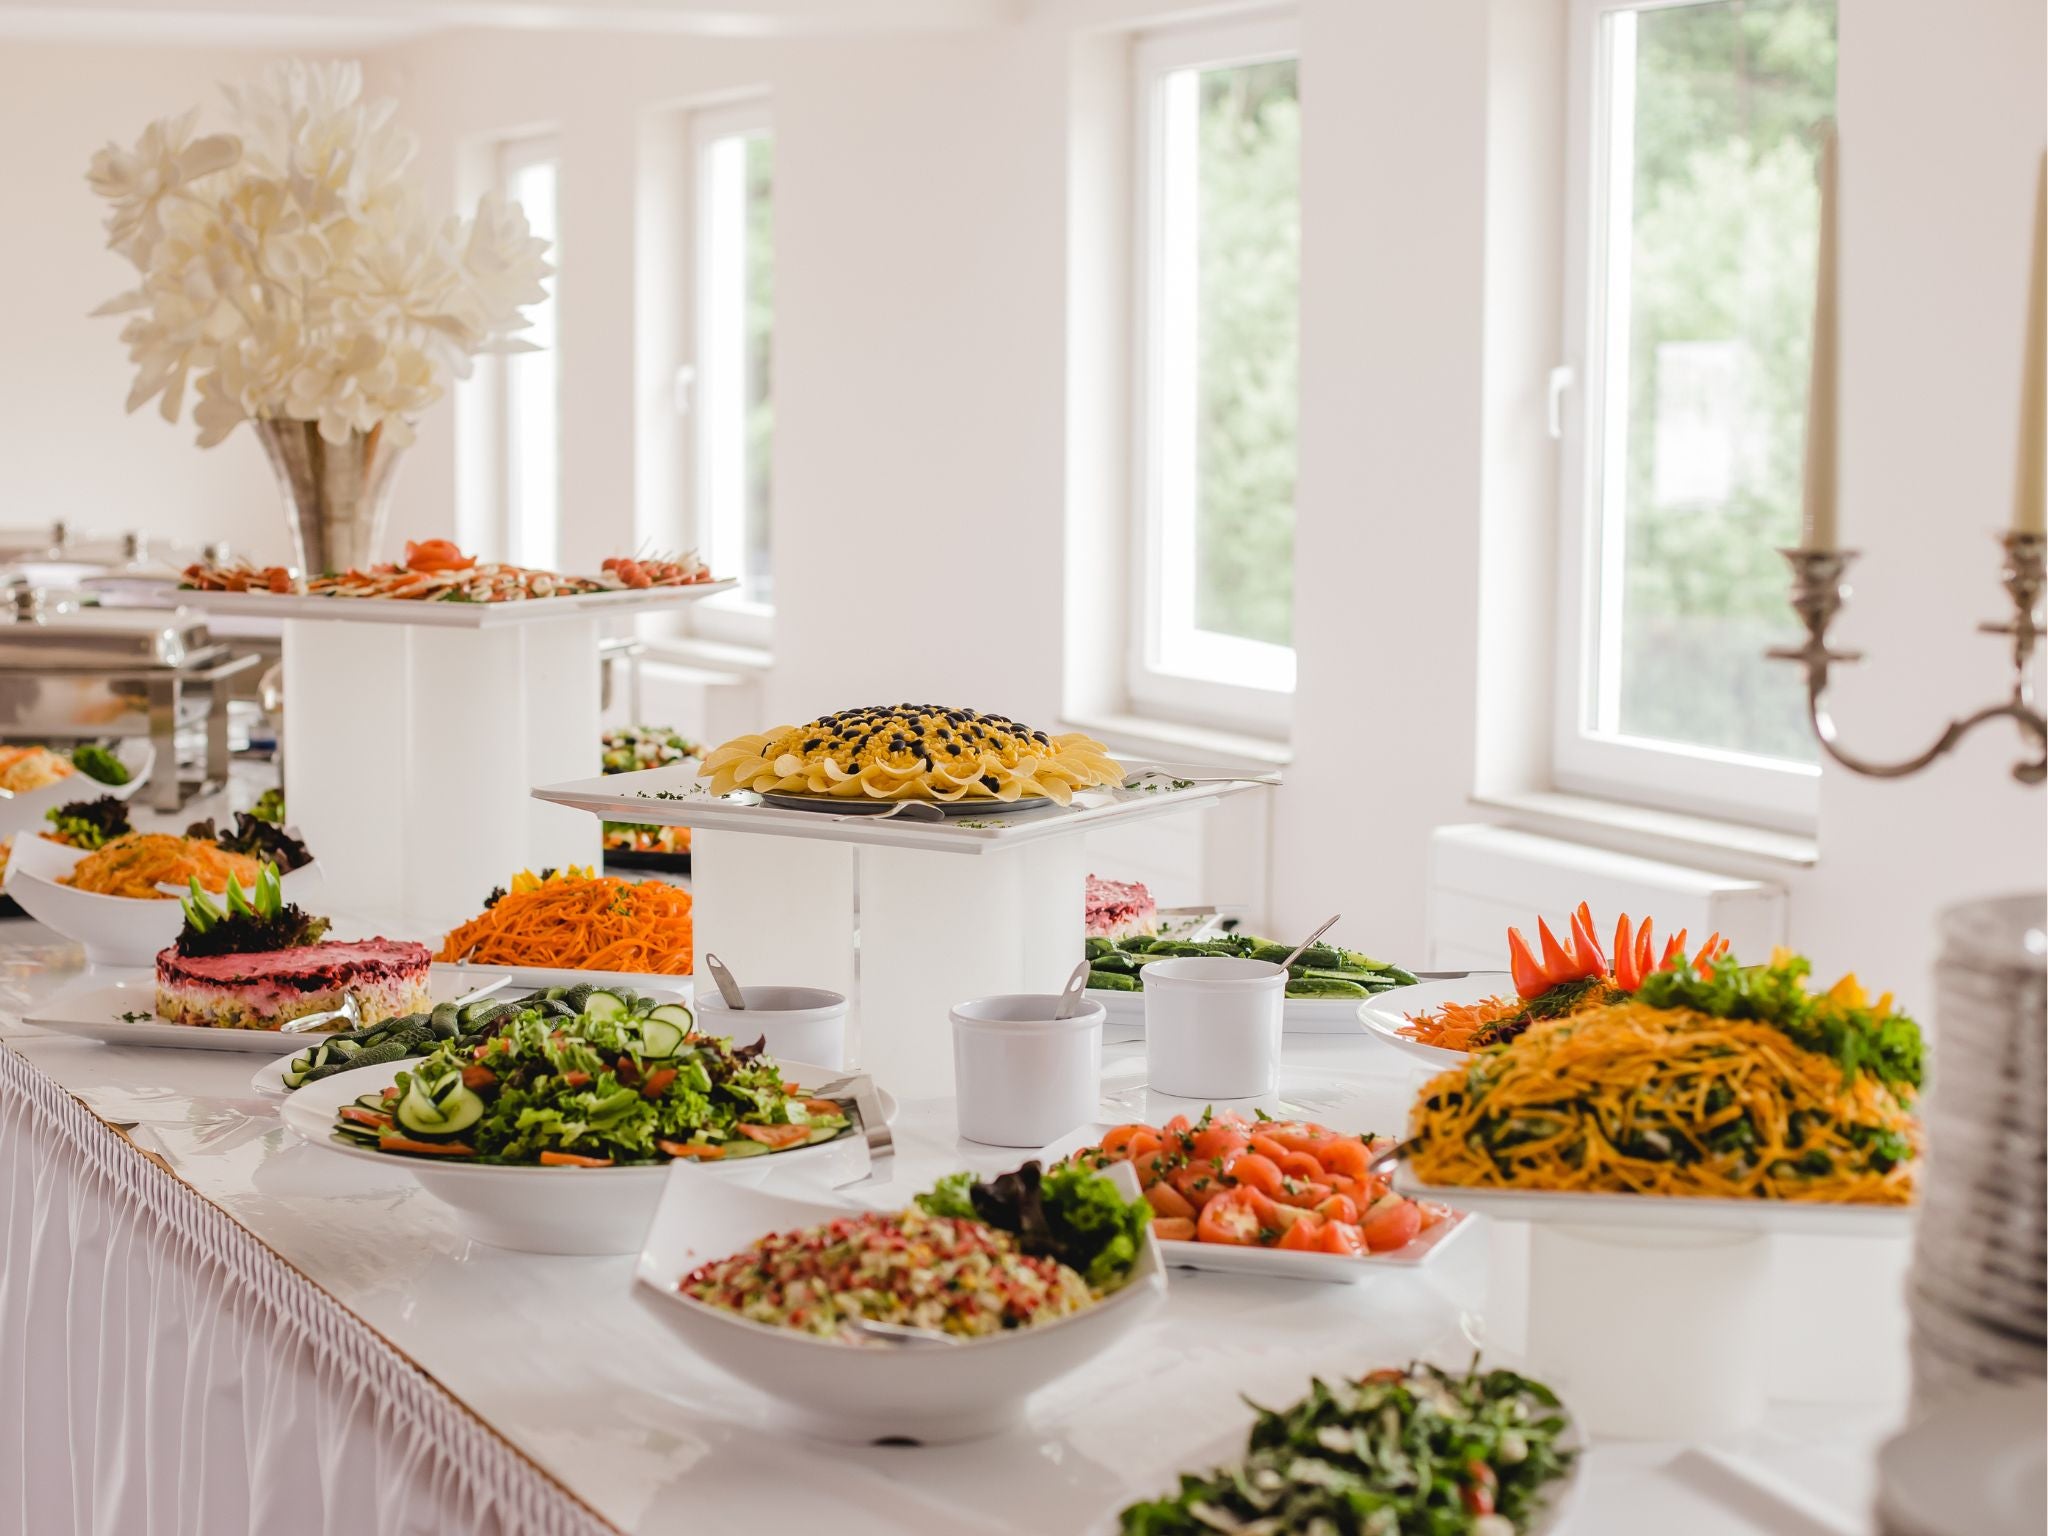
pixel 2030 506
pixel 1818 509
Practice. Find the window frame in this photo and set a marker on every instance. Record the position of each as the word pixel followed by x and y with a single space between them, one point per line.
pixel 729 618
pixel 510 156
pixel 1673 776
pixel 1207 700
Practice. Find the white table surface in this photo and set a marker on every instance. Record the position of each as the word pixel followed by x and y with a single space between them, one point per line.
pixel 551 1353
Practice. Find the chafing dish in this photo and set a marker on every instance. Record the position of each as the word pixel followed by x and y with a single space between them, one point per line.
pixel 70 672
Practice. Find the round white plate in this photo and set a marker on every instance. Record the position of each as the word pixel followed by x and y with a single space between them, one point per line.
pixel 1974 1463
pixel 551 976
pixel 539 1210
pixel 118 1007
pixel 950 809
pixel 1385 1015
pixel 269 1078
pixel 28 809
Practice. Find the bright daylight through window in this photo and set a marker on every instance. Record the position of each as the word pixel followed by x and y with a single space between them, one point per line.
pixel 530 175
pixel 1219 236
pixel 735 415
pixel 1696 216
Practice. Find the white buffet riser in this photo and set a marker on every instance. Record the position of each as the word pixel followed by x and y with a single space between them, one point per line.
pixel 888 912
pixel 414 733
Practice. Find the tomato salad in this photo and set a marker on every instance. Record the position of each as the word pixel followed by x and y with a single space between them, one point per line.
pixel 1265 1183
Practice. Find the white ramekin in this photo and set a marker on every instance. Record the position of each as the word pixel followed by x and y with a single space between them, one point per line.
pixel 799 1023
pixel 1212 1026
pixel 1022 1077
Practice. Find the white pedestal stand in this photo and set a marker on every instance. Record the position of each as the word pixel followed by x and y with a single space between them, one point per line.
pixel 906 918
pixel 1651 1334
pixel 411 752
pixel 904 932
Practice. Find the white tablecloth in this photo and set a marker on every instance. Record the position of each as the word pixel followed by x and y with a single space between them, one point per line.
pixel 164 1371
pixel 263 1337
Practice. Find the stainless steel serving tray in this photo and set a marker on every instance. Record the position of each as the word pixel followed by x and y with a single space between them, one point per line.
pixel 106 639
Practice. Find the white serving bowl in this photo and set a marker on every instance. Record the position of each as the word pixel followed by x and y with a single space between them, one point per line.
pixel 1212 1026
pixel 542 1210
pixel 115 930
pixel 932 1393
pixel 27 811
pixel 799 1023
pixel 1021 1077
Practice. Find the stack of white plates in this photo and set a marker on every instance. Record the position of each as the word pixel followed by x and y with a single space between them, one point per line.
pixel 1979 1288
pixel 1976 1466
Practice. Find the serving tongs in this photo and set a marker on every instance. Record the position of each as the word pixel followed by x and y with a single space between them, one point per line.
pixel 856 1093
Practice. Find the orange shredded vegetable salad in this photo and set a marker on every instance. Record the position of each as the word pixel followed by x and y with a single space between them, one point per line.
pixel 583 923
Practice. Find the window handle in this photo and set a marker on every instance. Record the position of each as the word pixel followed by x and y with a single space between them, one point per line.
pixel 1560 381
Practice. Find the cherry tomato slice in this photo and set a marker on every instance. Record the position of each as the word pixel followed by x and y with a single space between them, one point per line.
pixel 1305 1236
pixel 1391 1224
pixel 1340 1237
pixel 1229 1218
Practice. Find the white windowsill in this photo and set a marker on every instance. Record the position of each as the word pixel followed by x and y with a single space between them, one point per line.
pixel 1171 740
pixel 1563 814
pixel 713 656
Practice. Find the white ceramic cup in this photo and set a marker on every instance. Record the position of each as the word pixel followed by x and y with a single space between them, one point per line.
pixel 799 1023
pixel 1021 1077
pixel 1212 1026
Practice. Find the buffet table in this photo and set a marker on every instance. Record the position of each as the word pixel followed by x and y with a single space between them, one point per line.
pixel 213 1327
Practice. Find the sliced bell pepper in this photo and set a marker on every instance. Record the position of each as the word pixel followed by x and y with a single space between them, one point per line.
pixel 1712 950
pixel 1644 953
pixel 1522 965
pixel 1559 964
pixel 1626 976
pixel 1674 950
pixel 1592 959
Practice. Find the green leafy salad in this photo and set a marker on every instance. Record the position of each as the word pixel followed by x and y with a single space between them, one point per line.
pixel 88 824
pixel 98 762
pixel 1415 1452
pixel 620 1081
pixel 1071 1214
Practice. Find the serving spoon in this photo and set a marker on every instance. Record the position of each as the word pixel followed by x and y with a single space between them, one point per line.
pixel 728 989
pixel 1328 923
pixel 1070 998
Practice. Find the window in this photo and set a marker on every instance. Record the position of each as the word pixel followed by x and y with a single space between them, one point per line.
pixel 529 174
pixel 1218 241
pixel 1694 214
pixel 734 177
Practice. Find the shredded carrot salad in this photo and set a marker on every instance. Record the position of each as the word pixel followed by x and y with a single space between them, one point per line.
pixel 135 865
pixel 1461 1026
pixel 581 922
pixel 1634 1099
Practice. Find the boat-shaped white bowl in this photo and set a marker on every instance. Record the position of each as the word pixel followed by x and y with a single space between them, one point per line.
pixel 929 1393
pixel 115 930
pixel 28 810
pixel 546 1210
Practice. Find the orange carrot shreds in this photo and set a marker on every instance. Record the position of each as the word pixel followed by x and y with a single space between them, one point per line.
pixel 1460 1026
pixel 595 923
pixel 136 863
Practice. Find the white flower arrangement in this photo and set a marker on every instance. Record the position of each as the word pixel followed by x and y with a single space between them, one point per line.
pixel 290 269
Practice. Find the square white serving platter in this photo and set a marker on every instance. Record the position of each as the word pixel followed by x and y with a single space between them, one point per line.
pixel 442 615
pixel 673 796
pixel 93 1008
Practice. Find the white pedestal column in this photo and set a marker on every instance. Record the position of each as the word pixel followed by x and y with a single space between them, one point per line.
pixel 930 929
pixel 345 688
pixel 1652 1334
pixel 411 753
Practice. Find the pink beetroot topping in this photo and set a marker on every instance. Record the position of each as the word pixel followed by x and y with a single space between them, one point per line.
pixel 309 968
pixel 1117 908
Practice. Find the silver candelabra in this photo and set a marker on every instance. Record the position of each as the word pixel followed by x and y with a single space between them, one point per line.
pixel 1819 589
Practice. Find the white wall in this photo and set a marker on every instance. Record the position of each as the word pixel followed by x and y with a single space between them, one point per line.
pixel 923 280
pixel 66 449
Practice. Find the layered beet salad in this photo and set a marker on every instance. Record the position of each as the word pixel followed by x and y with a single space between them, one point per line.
pixel 258 960
pixel 1119 909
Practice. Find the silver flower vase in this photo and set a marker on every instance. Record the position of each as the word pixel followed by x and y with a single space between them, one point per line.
pixel 337 495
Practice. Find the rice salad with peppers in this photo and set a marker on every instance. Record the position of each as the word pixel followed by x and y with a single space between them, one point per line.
pixel 969 1258
pixel 595 1090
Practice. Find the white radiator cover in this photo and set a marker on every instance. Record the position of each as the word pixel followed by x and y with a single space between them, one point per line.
pixel 1485 879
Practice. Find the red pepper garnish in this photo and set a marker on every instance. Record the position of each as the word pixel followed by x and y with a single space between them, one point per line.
pixel 1675 950
pixel 1626 976
pixel 1559 965
pixel 1644 953
pixel 1592 962
pixel 1522 964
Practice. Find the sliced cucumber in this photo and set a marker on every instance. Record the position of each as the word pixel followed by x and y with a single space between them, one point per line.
pixel 577 995
pixel 661 1037
pixel 745 1146
pixel 676 1014
pixel 600 1004
pixel 441 1109
pixel 826 1131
